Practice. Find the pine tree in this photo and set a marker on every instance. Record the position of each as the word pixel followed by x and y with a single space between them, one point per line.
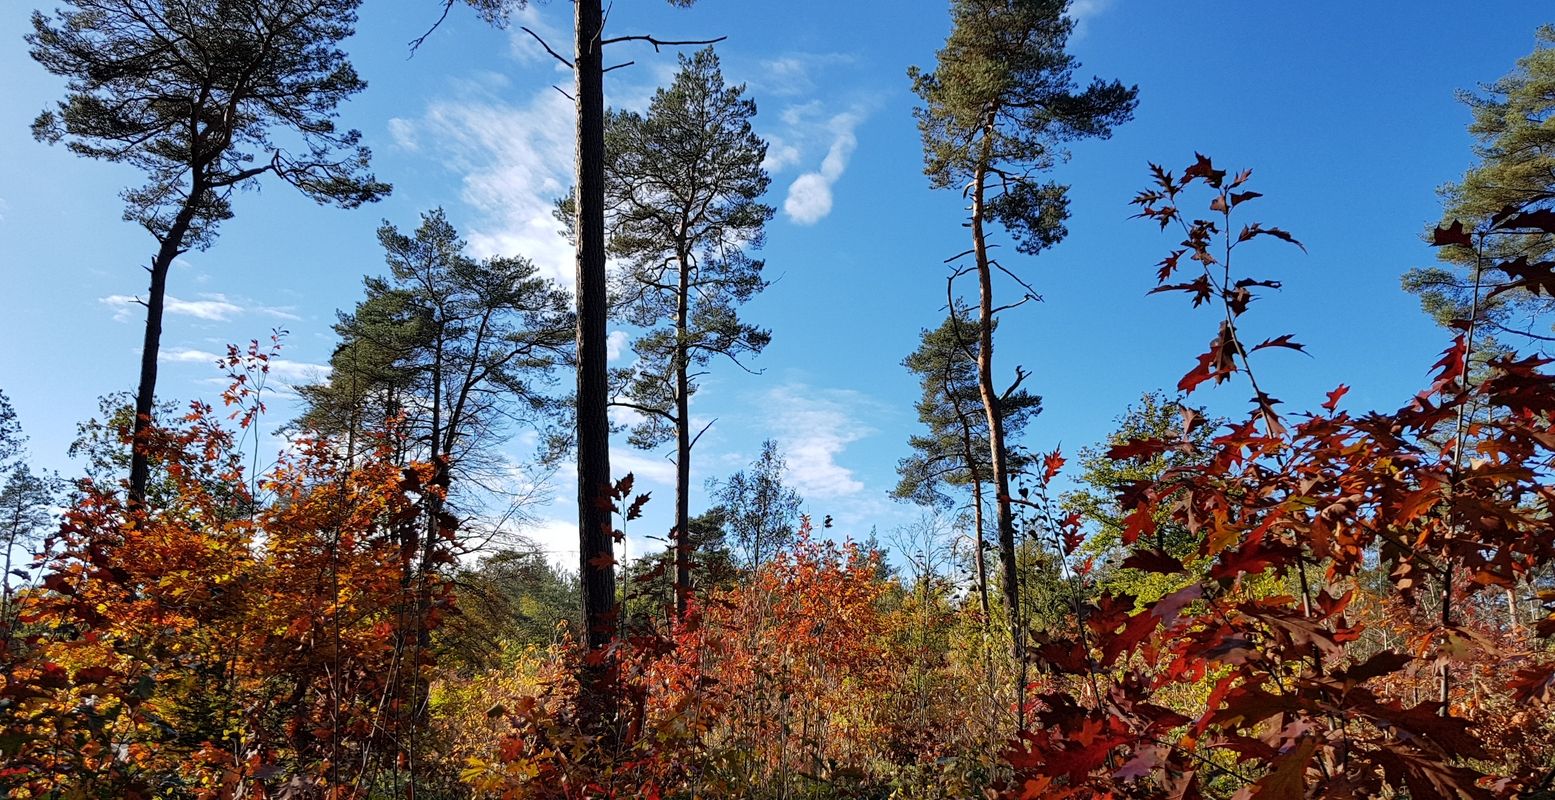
pixel 998 108
pixel 197 95
pixel 1515 145
pixel 682 188
pixel 459 348
pixel 953 453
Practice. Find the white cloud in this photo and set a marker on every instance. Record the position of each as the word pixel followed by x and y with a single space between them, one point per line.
pixel 558 538
pixel 615 344
pixel 212 307
pixel 298 372
pixel 780 154
pixel 644 466
pixel 516 160
pixel 184 355
pixel 814 427
pixel 403 132
pixel 809 197
pixel 287 372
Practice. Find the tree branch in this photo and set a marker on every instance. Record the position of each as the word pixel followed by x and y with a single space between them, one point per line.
pixel 699 433
pixel 547 47
pixel 1017 279
pixel 1020 377
pixel 643 409
pixel 658 43
pixel 1006 307
pixel 415 44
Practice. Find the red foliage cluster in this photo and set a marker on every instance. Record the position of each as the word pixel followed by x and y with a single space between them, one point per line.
pixel 1450 493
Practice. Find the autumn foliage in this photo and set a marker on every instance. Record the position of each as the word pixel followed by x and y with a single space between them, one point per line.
pixel 1338 615
pixel 1337 630
pixel 225 644
pixel 1345 623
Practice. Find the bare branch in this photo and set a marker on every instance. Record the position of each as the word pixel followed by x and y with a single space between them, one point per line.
pixel 547 47
pixel 1020 377
pixel 415 44
pixel 1006 307
pixel 658 43
pixel 618 66
pixel 1017 279
pixel 699 433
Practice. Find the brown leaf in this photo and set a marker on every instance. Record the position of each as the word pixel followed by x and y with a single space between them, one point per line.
pixel 1455 234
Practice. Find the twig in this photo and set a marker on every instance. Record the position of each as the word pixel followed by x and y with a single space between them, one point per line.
pixel 416 43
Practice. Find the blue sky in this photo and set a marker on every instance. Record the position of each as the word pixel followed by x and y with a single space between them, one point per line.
pixel 1346 113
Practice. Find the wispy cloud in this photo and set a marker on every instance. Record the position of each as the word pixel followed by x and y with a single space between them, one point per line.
pixel 814 427
pixel 212 307
pixel 809 197
pixel 515 161
pixel 298 372
pixel 185 355
pixel 644 465
pixel 286 371
pixel 799 73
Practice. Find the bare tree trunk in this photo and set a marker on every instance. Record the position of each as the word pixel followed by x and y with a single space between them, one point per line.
pixel 975 475
pixel 596 544
pixel 171 246
pixel 977 547
pixel 990 398
pixel 682 444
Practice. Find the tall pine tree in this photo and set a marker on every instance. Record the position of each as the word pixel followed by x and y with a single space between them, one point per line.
pixel 194 94
pixel 997 110
pixel 683 188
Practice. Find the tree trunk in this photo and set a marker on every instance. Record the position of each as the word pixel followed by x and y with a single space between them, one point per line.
pixel 990 398
pixel 976 477
pixel 682 444
pixel 170 247
pixel 977 544
pixel 596 544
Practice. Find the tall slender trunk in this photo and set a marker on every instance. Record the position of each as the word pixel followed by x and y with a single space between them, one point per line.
pixel 596 544
pixel 682 442
pixel 977 544
pixel 975 475
pixel 990 398
pixel 170 247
